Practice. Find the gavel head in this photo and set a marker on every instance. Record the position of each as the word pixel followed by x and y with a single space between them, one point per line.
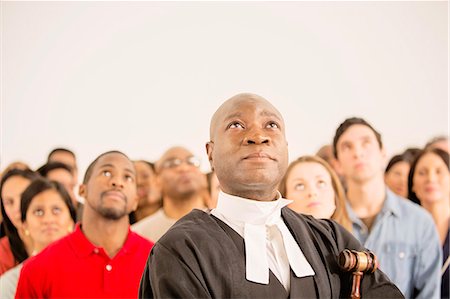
pixel 357 261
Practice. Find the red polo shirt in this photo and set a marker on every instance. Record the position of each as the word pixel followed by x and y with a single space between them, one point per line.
pixel 74 268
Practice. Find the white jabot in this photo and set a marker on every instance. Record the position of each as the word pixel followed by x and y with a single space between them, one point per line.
pixel 268 242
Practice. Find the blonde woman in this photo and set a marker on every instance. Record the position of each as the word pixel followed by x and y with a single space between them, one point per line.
pixel 315 189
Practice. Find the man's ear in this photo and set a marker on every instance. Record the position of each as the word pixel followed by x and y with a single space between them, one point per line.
pixel 82 191
pixel 209 151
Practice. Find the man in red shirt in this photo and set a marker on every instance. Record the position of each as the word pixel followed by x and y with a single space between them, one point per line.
pixel 102 258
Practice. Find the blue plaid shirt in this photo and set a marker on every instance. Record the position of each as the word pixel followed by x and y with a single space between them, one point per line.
pixel 406 242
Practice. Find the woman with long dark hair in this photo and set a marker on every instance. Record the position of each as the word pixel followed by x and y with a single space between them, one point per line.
pixel 15 247
pixel 429 184
pixel 47 214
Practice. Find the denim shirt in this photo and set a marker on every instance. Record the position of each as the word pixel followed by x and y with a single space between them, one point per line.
pixel 406 242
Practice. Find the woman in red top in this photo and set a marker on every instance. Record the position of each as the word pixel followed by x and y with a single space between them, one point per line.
pixel 15 247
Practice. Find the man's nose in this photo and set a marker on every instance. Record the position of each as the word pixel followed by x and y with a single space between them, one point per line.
pixel 184 166
pixel 256 136
pixel 116 182
pixel 358 151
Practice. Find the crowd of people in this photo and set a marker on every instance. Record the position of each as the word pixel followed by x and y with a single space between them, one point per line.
pixel 255 226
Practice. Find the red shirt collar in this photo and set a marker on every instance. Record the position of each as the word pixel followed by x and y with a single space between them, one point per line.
pixel 83 247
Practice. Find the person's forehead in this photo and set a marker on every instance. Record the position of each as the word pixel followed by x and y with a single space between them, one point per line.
pixel 16 178
pixel 400 163
pixel 310 168
pixel 46 195
pixel 247 107
pixel 177 152
pixel 142 166
pixel 63 156
pixel 356 132
pixel 430 158
pixel 59 172
pixel 115 160
pixel 15 184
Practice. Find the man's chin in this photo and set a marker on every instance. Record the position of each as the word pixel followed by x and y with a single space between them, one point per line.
pixel 112 214
pixel 260 181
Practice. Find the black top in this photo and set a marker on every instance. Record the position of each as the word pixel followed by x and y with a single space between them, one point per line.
pixel 202 257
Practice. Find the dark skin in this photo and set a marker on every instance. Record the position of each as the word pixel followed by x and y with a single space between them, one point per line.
pixel 181 186
pixel 112 187
pixel 248 147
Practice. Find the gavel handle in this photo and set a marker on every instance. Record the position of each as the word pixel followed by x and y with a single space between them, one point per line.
pixel 356 294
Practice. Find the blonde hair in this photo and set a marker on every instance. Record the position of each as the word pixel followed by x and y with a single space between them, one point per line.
pixel 340 214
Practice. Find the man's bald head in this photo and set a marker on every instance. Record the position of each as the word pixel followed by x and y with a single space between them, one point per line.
pixel 248 147
pixel 179 175
pixel 235 101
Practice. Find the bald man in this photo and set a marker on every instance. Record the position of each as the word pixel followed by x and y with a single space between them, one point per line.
pixel 181 182
pixel 251 245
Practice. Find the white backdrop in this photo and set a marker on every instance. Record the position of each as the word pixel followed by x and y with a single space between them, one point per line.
pixel 143 76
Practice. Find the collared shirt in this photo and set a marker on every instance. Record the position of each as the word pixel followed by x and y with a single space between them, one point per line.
pixel 75 268
pixel 276 249
pixel 154 226
pixel 405 241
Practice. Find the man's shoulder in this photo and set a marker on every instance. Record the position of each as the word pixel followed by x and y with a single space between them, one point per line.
pixel 143 221
pixel 195 225
pixel 306 227
pixel 196 220
pixel 412 210
pixel 139 241
pixel 146 222
pixel 308 220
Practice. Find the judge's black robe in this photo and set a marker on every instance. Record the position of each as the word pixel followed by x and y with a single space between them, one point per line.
pixel 202 257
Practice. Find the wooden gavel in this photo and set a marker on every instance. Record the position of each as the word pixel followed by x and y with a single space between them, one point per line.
pixel 358 262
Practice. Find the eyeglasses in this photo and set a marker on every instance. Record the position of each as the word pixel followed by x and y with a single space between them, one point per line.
pixel 175 162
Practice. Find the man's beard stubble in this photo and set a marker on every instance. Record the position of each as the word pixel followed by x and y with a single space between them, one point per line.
pixel 111 213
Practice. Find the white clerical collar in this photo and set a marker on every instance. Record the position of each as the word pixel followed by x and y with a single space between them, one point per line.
pixel 250 218
pixel 242 210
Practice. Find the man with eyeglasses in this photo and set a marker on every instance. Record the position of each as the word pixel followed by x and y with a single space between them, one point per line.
pixel 252 245
pixel 182 185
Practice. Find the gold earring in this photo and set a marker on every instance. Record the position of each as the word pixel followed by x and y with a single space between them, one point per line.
pixel 27 232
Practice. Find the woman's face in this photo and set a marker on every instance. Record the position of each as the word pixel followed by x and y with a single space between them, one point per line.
pixel 431 180
pixel 309 186
pixel 47 219
pixel 397 178
pixel 11 192
pixel 147 190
